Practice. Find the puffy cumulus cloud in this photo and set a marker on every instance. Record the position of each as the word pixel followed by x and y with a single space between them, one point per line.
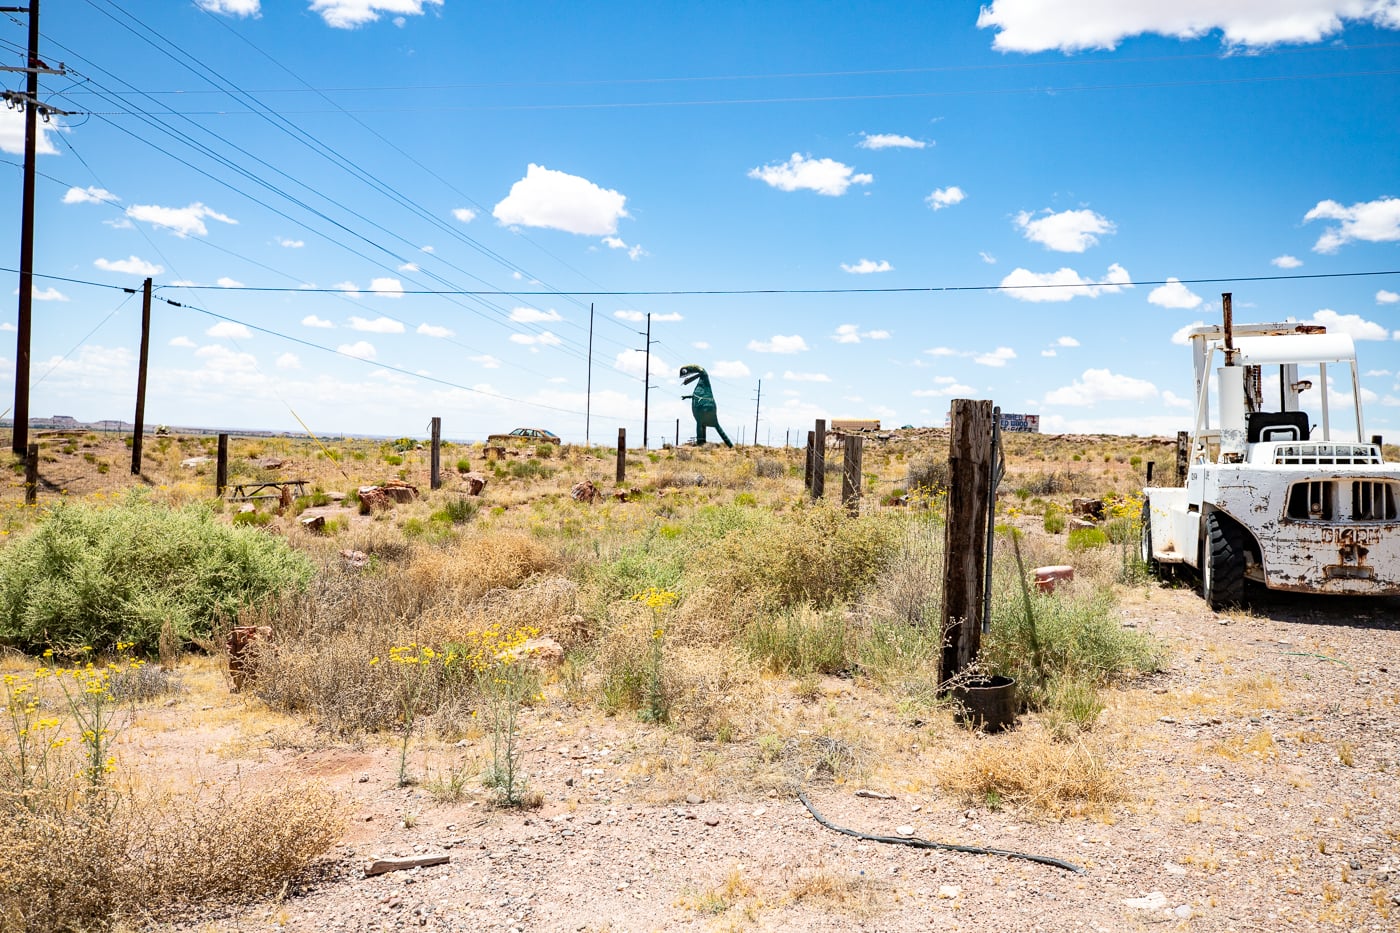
pixel 348 289
pixel 1182 335
pixel 89 195
pixel 779 344
pixel 943 351
pixel 533 315
pixel 360 350
pixel 867 266
pixel 1375 221
pixel 1173 295
pixel 889 141
pixel 1384 297
pixel 634 252
pixel 465 214
pixel 486 361
pixel 1101 385
pixel 1172 400
pixel 240 8
pixel 182 341
pixel 434 330
pixel 1067 231
pixel 285 243
pixel 289 361
pixel 700 344
pixel 1063 284
pixel 948 390
pixel 1353 324
pixel 312 320
pixel 634 363
pixel 218 358
pixel 12 133
pixel 1066 342
pixel 1074 25
pixel 1048 353
pixel 131 266
pixel 560 201
pixel 348 14
pixel 224 281
pixel 1286 261
pixel 47 294
pixel 229 329
pixel 945 197
pixel 544 339
pixel 379 325
pixel 637 317
pixel 824 176
pixel 997 357
pixel 791 376
pixel 728 369
pixel 386 288
pixel 409 267
pixel 181 221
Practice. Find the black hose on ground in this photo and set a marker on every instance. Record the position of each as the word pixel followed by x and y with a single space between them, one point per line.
pixel 927 844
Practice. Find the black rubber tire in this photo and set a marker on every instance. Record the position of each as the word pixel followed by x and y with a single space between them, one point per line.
pixel 1222 563
pixel 1145 545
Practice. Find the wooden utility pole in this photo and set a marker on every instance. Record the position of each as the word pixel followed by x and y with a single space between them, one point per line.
pixel 970 470
pixel 20 438
pixel 621 454
pixel 435 456
pixel 678 432
pixel 851 472
pixel 758 400
pixel 588 392
pixel 819 460
pixel 221 466
pixel 646 387
pixel 811 459
pixel 139 429
pixel 31 474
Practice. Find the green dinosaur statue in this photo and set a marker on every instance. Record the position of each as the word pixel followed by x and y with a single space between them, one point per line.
pixel 702 403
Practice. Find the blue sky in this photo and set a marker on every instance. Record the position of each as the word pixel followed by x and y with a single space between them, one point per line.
pixel 345 154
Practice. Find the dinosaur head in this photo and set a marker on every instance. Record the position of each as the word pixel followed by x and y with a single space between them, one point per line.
pixel 690 373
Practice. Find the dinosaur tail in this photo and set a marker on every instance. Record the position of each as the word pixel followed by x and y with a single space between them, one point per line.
pixel 724 437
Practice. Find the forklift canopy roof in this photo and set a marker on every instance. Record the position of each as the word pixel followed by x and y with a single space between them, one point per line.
pixel 1296 348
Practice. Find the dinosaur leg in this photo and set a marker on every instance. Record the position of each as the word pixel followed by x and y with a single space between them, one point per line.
pixel 727 441
pixel 700 434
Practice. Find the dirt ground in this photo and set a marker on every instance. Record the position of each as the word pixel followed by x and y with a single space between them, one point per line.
pixel 1258 777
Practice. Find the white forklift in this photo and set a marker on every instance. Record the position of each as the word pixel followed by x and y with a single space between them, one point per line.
pixel 1284 491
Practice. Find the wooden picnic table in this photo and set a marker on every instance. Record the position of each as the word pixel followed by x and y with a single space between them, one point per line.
pixel 243 492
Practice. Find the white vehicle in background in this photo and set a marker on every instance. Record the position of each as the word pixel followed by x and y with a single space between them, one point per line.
pixel 1273 493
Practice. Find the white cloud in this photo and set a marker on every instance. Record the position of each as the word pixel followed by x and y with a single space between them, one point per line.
pixel 229 329
pixel 1384 297
pixel 1375 221
pixel 360 350
pixel 312 320
pixel 1063 284
pixel 791 376
pixel 950 390
pixel 851 333
pixel 1173 295
pixel 867 266
pixel 1074 25
pixel 1101 385
pixel 119 223
pixel 12 133
pixel 1286 261
pixel 386 288
pixel 183 283
pixel 231 7
pixel 427 249
pixel 824 176
pixel 988 258
pixel 349 289
pixel 1048 353
pixel 224 281
pixel 409 267
pixel 1172 400
pixel 634 363
pixel 347 14
pixel 465 214
pixel 889 141
pixel 1182 335
pixel 181 341
pixel 131 266
pixel 7 327
pixel 181 221
pixel 533 315
pixel 545 339
pixel 729 369
pixel 945 197
pixel 433 330
pixel 700 344
pixel 486 361
pixel 560 201
pixel 1353 324
pixel 779 344
pixel 380 325
pixel 221 359
pixel 877 335
pixel 997 357
pixel 290 244
pixel 1067 231
pixel 48 294
pixel 288 361
pixel 89 195
pixel 943 351
pixel 634 252
pixel 1066 342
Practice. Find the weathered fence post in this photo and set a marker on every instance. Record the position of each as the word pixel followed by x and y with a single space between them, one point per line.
pixel 678 432
pixel 1183 458
pixel 811 458
pixel 435 457
pixel 31 474
pixel 621 454
pixel 221 466
pixel 1150 465
pixel 851 472
pixel 819 460
pixel 970 465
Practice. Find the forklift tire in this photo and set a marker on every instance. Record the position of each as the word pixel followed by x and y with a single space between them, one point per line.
pixel 1222 563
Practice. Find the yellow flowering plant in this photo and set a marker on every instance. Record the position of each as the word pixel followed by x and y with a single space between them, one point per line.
pixel 657 703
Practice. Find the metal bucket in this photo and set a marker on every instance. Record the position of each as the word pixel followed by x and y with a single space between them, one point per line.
pixel 986 703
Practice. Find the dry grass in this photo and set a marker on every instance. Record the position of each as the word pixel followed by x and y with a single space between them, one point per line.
pixel 1030 770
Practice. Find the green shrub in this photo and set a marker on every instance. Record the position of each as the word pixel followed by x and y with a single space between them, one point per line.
pixel 457 510
pixel 1082 539
pixel 928 475
pixel 464 465
pixel 803 641
pixel 393 459
pixel 1054 519
pixel 93 576
pixel 253 518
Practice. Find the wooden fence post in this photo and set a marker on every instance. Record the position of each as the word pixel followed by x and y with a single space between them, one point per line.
pixel 221 466
pixel 621 454
pixel 1183 457
pixel 435 458
pixel 1151 464
pixel 970 467
pixel 851 472
pixel 811 457
pixel 819 460
pixel 31 474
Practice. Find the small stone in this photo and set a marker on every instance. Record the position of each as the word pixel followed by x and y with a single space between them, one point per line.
pixel 711 821
pixel 1166 719
pixel 1154 901
pixel 694 799
pixel 1183 911
pixel 949 891
pixel 905 830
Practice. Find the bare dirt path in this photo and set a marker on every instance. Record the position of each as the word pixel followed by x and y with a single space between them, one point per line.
pixel 1259 792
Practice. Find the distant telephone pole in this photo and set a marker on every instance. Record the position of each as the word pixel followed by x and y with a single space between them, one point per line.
pixel 588 392
pixel 646 386
pixel 758 400
pixel 139 431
